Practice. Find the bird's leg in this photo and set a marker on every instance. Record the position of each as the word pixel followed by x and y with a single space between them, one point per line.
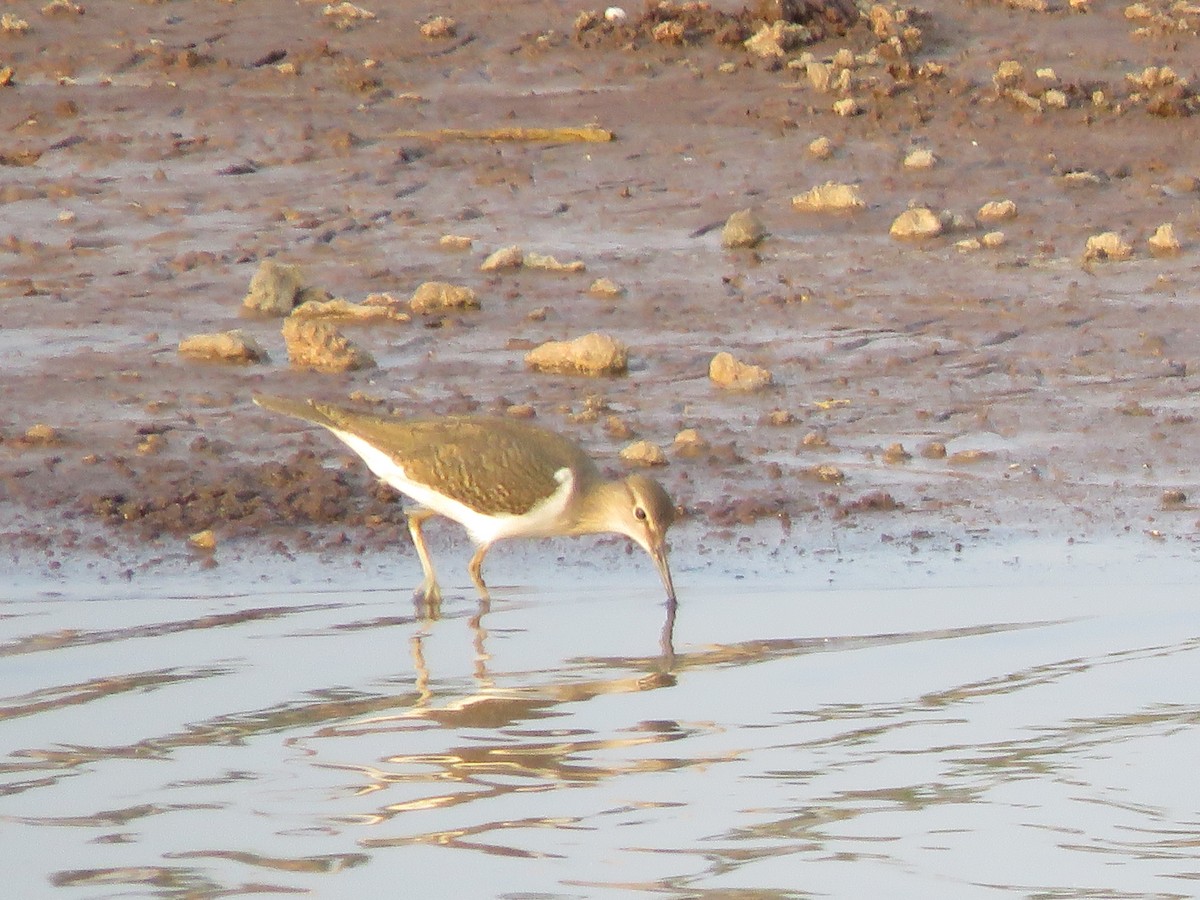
pixel 474 567
pixel 429 590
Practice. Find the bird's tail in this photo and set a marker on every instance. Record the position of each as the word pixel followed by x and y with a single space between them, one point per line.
pixel 300 409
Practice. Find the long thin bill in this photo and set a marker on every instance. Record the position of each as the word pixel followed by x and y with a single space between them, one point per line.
pixel 659 555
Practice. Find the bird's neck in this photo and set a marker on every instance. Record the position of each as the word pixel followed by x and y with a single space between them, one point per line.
pixel 595 511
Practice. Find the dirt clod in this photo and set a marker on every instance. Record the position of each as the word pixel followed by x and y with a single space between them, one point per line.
pixel 592 354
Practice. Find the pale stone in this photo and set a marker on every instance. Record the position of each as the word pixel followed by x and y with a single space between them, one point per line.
pixel 439 27
pixel 1107 246
pixel 225 346
pixel 920 158
pixel 918 222
pixel 997 211
pixel 593 354
pixel 777 39
pixel 742 229
pixel 821 148
pixel 439 296
pixel 340 308
pixel 1163 242
pixel 605 287
pixel 276 288
pixel 314 344
pixel 505 258
pixel 204 540
pixel 550 264
pixel 829 197
pixel 1008 73
pixel 644 453
pixel 729 373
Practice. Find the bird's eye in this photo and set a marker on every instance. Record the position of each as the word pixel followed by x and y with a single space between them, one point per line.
pixel 639 514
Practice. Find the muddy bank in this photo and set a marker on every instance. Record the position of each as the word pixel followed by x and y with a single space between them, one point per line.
pixel 150 169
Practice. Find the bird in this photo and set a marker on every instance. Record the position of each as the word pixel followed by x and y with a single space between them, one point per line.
pixel 497 477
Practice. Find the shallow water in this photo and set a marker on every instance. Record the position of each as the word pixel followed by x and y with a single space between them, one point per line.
pixel 947 731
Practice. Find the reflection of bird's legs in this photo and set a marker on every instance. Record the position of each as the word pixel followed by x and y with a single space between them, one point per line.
pixel 429 592
pixel 667 640
pixel 480 642
pixel 474 567
pixel 418 654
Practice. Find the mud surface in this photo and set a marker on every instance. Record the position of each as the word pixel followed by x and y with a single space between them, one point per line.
pixel 154 154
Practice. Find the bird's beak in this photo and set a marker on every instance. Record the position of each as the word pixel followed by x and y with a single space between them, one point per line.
pixel 659 555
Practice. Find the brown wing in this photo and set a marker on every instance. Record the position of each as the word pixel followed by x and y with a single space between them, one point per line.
pixel 490 464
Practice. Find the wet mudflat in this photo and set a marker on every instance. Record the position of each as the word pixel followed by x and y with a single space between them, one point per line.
pixel 937 728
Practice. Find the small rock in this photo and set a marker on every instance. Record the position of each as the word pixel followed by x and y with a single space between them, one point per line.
pixel 777 39
pixel 968 245
pixel 644 453
pixel 971 456
pixel 439 296
pixel 829 197
pixel 827 472
pixel 455 242
pixel 815 440
pixel 1056 99
pixel 993 240
pixel 340 308
pixel 920 159
pixel 1163 242
pixel 1174 497
pixel 821 148
pixel 593 354
pixel 506 258
pixel 689 443
pixel 550 264
pixel 742 229
pixel 204 540
pixel 346 15
pixel 151 445
pixel 314 344
pixel 778 418
pixel 605 287
pixel 820 75
pixel 729 373
pixel 277 288
pixel 1008 73
pixel 1107 246
pixel 521 411
pixel 916 223
pixel 847 107
pixel 439 27
pixel 62 8
pixel 42 435
pixel 10 23
pixel 617 428
pixel 225 346
pixel 1081 178
pixel 669 32
pixel 934 450
pixel 997 211
pixel 896 454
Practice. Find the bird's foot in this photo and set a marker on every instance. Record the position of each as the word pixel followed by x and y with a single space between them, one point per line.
pixel 428 600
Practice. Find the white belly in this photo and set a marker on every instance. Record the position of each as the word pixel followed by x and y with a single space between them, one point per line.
pixel 541 521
